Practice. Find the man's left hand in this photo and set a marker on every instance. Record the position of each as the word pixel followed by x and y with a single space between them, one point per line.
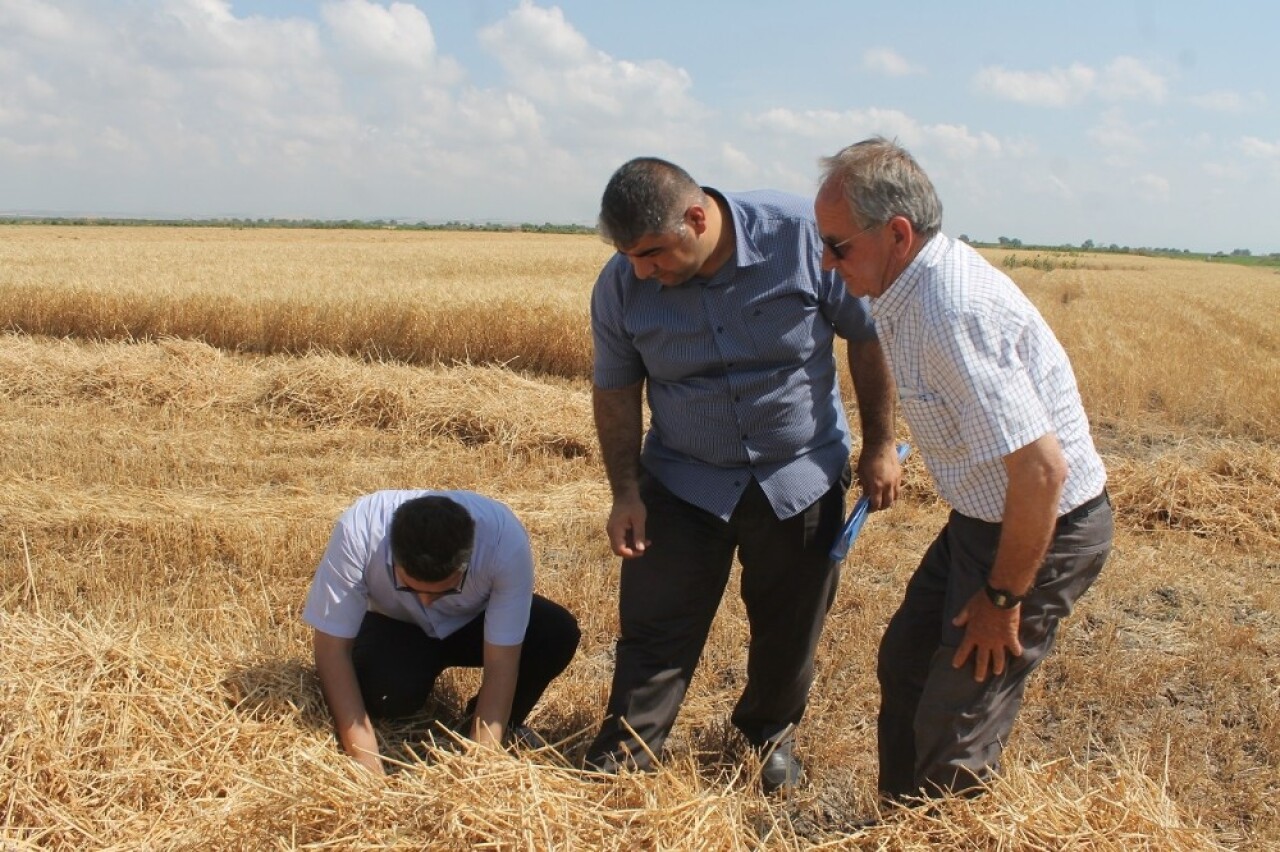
pixel 880 475
pixel 989 634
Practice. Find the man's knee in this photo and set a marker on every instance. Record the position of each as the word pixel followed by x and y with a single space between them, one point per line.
pixel 386 702
pixel 554 638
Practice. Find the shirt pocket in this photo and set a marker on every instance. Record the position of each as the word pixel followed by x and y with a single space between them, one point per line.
pixel 782 328
pixel 933 423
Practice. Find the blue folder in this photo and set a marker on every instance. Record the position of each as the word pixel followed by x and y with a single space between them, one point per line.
pixel 857 518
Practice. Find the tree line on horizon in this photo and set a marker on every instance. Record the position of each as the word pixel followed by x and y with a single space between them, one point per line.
pixel 1239 255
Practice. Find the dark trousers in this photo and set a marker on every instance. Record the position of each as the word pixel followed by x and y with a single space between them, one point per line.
pixel 939 730
pixel 397 663
pixel 670 595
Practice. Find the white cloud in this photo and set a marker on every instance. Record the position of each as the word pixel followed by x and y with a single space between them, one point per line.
pixel 36 19
pixel 1129 79
pixel 1123 79
pixel 834 130
pixel 737 162
pixel 845 127
pixel 1224 171
pixel 1058 87
pixel 957 142
pixel 1152 188
pixel 1260 148
pixel 394 37
pixel 884 60
pixel 1115 135
pixel 550 62
pixel 1228 101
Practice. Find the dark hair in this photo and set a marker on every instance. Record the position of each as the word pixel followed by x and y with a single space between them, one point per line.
pixel 431 537
pixel 880 180
pixel 646 196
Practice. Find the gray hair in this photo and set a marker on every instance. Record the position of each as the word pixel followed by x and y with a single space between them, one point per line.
pixel 880 180
pixel 646 196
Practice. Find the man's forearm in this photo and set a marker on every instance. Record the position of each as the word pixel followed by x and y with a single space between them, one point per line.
pixel 618 426
pixel 1036 476
pixel 497 689
pixel 341 692
pixel 875 391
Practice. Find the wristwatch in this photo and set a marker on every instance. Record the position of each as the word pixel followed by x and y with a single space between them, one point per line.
pixel 1002 598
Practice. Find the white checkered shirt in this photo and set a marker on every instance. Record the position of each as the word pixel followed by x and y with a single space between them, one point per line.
pixel 980 374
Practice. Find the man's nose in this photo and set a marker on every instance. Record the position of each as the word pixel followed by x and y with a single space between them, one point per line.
pixel 643 267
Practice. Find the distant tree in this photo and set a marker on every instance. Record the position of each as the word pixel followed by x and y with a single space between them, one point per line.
pixel 1087 245
pixel 1240 253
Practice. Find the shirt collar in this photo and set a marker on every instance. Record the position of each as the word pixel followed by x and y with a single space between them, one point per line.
pixel 890 304
pixel 745 251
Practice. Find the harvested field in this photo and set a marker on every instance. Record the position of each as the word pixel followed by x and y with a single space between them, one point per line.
pixel 184 412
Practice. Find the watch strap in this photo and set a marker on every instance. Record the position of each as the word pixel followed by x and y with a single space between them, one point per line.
pixel 1002 598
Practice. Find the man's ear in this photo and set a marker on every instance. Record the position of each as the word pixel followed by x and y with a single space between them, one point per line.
pixel 696 216
pixel 904 237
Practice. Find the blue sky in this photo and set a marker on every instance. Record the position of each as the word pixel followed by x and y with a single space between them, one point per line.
pixel 1137 123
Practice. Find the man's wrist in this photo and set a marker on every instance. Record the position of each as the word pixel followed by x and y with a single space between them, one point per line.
pixel 1002 598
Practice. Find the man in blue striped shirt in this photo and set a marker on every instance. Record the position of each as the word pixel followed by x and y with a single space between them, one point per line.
pixel 717 304
pixel 993 407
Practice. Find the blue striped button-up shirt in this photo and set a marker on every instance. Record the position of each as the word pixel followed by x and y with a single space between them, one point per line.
pixel 980 374
pixel 740 367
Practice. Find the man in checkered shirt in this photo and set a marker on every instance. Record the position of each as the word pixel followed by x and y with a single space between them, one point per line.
pixel 993 407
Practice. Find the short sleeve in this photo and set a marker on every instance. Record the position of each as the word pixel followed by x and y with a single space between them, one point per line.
pixel 980 369
pixel 617 363
pixel 339 596
pixel 507 615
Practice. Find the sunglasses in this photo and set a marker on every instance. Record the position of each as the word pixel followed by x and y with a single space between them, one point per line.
pixel 837 249
pixel 454 590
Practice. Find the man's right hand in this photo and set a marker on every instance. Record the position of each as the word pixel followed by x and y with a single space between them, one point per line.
pixel 626 527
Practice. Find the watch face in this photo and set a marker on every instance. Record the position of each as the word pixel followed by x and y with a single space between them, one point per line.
pixel 1002 599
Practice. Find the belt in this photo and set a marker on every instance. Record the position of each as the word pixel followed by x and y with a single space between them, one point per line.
pixel 1083 509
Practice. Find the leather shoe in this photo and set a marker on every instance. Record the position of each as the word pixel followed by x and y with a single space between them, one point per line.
pixel 780 770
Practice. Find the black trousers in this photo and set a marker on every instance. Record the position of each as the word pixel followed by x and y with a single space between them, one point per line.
pixel 397 664
pixel 670 595
pixel 940 731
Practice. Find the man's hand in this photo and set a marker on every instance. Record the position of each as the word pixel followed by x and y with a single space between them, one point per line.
pixel 989 633
pixel 879 474
pixel 371 761
pixel 626 526
pixel 341 692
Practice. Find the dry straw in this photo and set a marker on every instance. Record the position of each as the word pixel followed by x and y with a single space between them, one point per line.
pixel 163 501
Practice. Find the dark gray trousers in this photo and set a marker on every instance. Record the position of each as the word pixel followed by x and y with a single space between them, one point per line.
pixel 669 596
pixel 939 730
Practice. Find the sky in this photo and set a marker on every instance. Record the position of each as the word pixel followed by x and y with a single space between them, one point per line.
pixel 1128 122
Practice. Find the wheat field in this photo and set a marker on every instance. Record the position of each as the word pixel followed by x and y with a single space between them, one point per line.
pixel 185 412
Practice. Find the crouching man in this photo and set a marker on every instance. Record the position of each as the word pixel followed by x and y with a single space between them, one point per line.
pixel 413 582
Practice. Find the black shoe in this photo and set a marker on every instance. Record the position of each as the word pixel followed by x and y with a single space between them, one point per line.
pixel 780 770
pixel 524 738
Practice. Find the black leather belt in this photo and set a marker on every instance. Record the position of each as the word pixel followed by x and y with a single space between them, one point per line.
pixel 1084 508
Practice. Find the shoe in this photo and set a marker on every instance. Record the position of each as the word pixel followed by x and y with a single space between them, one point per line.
pixel 523 738
pixel 780 770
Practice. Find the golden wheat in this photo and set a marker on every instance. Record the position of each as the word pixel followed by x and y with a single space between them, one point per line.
pixel 164 501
